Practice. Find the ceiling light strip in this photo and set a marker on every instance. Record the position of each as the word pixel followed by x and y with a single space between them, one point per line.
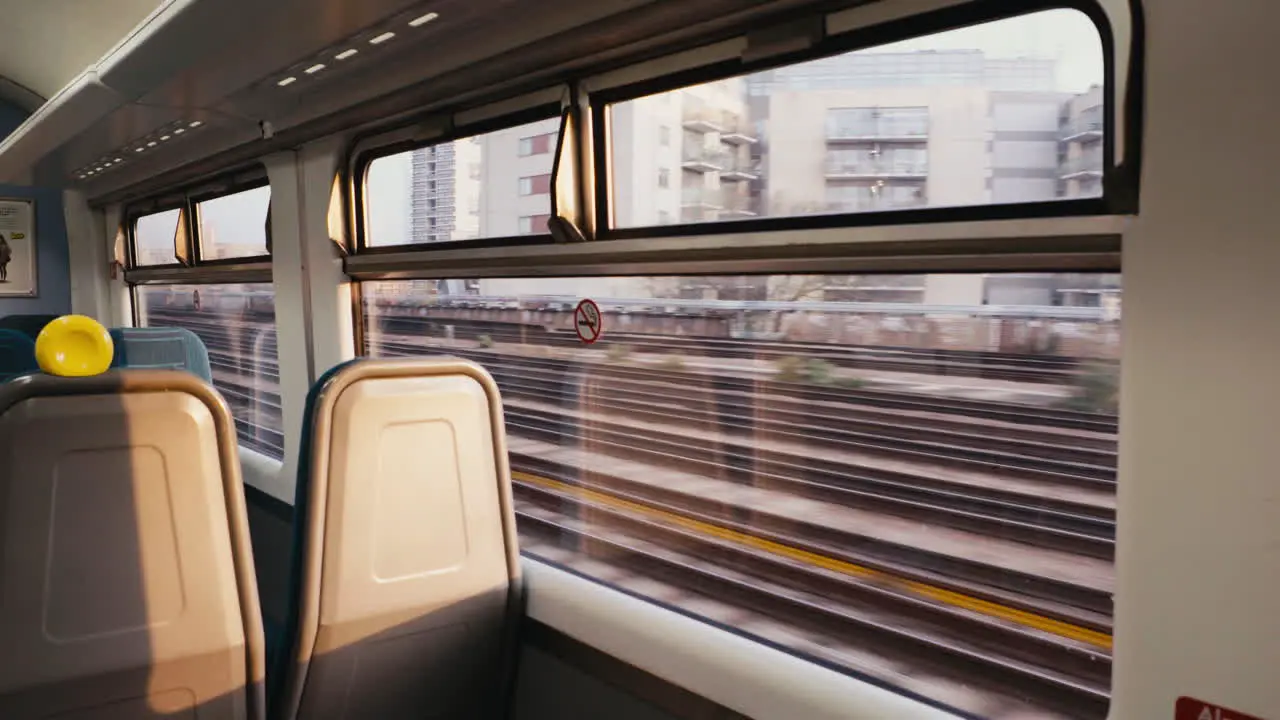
pixel 118 157
pixel 344 51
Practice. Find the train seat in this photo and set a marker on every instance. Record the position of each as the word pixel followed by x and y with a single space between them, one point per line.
pixel 405 587
pixel 29 325
pixel 161 348
pixel 17 354
pixel 133 593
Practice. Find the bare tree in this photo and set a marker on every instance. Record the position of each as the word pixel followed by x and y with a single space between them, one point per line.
pixel 796 288
pixel 793 288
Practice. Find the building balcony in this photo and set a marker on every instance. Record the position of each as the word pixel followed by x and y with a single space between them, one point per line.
pixel 738 206
pixel 701 160
pixel 732 127
pixel 740 133
pixel 1083 129
pixel 426 191
pixel 1083 166
pixel 878 132
pixel 703 120
pixel 844 170
pixel 702 198
pixel 741 171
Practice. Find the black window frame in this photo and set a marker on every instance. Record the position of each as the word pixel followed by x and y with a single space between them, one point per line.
pixel 1120 181
pixel 187 200
pixel 193 214
pixel 1121 178
pixel 357 182
pixel 134 214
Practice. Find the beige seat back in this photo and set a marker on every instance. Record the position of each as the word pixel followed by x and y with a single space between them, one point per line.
pixel 126 583
pixel 408 584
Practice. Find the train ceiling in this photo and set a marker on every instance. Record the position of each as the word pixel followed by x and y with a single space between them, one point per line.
pixel 45 44
pixel 235 79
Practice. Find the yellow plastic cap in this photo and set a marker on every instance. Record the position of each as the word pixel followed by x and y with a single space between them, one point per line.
pixel 74 346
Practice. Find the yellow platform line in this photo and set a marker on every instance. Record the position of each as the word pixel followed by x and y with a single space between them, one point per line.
pixel 925 590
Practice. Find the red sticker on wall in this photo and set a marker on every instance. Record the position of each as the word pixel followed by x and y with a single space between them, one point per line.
pixel 587 321
pixel 1192 709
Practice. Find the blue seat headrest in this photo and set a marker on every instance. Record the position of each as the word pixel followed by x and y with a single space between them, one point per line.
pixel 161 348
pixel 29 325
pixel 17 354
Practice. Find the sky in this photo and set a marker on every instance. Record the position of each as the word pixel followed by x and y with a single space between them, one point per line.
pixel 1068 36
pixel 239 218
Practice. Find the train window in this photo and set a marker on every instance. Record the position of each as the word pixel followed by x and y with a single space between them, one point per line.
pixel 1010 111
pixel 237 325
pixel 153 238
pixel 473 187
pixel 235 225
pixel 911 477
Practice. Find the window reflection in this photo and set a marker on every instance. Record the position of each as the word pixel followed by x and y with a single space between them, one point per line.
pixel 957 433
pixel 237 325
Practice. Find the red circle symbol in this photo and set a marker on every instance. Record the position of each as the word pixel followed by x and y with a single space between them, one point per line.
pixel 588 322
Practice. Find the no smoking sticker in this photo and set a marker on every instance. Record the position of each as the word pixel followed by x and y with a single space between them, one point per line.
pixel 587 321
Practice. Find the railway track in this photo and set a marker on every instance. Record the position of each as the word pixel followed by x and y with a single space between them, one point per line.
pixel 1070 527
pixel 932 637
pixel 734 403
pixel 781 418
pixel 884 399
pixel 1084 460
pixel 1062 525
pixel 1016 518
pixel 714 398
pixel 742 383
pixel 962 363
pixel 979 363
pixel 1020 367
pixel 1066 601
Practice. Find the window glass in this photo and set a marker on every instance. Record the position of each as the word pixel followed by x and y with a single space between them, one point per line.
pixel 537 144
pixel 534 224
pixel 1005 112
pixel 536 185
pixel 237 325
pixel 474 187
pixel 909 476
pixel 235 225
pixel 153 237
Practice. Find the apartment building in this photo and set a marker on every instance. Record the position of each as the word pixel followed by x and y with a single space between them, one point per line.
pixel 859 132
pixel 1077 162
pixel 446 191
pixel 1081 132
